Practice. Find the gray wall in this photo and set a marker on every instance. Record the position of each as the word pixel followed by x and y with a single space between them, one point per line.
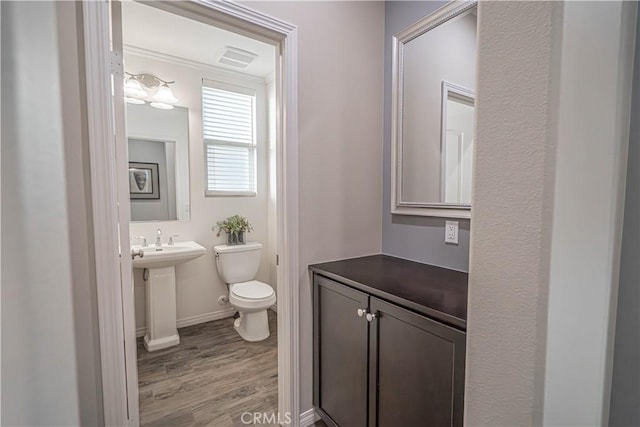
pixel 415 238
pixel 164 208
pixel 625 388
pixel 151 124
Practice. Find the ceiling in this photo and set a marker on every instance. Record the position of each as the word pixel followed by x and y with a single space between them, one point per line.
pixel 149 28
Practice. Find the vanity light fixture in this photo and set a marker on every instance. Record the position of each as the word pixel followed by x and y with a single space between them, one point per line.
pixel 138 86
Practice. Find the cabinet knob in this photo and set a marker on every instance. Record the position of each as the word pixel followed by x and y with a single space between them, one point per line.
pixel 361 312
pixel 371 317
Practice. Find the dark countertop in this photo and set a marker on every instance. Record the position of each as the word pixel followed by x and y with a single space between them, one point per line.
pixel 433 291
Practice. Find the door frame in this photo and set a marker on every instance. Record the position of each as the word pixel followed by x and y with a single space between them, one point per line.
pixel 99 64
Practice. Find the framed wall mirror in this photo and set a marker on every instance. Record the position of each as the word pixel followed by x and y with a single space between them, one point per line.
pixel 158 142
pixel 434 71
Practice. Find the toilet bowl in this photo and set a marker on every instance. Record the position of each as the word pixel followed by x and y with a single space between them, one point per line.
pixel 252 299
pixel 237 265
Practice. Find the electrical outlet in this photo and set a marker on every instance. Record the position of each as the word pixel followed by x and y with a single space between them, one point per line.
pixel 451 232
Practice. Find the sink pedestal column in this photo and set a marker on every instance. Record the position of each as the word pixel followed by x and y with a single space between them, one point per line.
pixel 161 309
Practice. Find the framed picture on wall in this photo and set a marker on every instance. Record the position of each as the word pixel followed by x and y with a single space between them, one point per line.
pixel 143 181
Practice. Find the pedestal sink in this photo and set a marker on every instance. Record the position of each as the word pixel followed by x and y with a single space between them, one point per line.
pixel 160 283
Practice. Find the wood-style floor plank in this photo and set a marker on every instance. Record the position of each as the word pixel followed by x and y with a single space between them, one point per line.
pixel 210 379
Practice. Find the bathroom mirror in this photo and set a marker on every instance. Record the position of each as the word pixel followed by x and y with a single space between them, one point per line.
pixel 158 163
pixel 434 70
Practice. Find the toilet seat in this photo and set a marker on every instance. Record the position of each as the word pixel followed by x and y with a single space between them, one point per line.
pixel 252 290
pixel 251 296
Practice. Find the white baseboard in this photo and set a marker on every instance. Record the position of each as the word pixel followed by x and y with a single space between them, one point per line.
pixel 194 320
pixel 308 418
pixel 206 317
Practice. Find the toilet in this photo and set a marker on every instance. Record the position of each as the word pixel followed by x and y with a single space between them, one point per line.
pixel 237 266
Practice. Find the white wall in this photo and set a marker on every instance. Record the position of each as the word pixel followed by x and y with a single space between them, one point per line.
pixel 50 348
pixel 272 208
pixel 593 133
pixel 340 95
pixel 198 283
pixel 552 117
pixel 458 152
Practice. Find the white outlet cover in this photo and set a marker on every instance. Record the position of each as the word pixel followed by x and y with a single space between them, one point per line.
pixel 451 232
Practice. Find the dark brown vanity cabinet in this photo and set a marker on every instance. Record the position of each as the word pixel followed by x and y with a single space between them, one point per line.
pixel 378 364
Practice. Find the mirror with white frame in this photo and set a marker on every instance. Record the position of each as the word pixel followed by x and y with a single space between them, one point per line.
pixel 434 70
pixel 158 163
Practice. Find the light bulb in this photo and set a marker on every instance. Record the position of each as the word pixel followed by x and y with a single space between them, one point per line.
pixel 165 96
pixel 133 89
pixel 161 105
pixel 133 100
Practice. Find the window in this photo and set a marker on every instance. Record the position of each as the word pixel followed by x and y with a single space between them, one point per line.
pixel 229 126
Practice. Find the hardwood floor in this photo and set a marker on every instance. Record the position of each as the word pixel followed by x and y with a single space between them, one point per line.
pixel 210 379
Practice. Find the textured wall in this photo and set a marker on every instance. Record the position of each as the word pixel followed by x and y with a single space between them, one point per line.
pixel 510 243
pixel 542 305
pixel 412 237
pixel 625 390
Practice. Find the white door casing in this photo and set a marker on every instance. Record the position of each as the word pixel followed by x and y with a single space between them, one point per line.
pixel 104 195
pixel 124 215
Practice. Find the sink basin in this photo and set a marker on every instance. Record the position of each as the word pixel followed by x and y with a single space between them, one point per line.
pixel 168 255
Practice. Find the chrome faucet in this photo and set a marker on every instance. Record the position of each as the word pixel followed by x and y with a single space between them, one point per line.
pixel 158 240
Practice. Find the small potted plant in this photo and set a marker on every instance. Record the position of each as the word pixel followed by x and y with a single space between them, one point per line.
pixel 235 227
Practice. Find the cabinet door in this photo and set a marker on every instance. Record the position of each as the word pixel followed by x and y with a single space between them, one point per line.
pixel 416 369
pixel 340 353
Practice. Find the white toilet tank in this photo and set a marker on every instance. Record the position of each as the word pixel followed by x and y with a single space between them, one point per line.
pixel 238 263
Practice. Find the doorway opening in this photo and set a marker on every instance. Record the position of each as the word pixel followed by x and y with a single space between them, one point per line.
pixel 209 168
pixel 200 113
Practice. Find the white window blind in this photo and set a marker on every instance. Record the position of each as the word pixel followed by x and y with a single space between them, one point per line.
pixel 229 126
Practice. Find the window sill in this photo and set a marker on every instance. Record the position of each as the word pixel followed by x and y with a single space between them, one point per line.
pixel 230 194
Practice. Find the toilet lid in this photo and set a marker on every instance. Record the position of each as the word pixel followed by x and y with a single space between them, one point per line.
pixel 252 290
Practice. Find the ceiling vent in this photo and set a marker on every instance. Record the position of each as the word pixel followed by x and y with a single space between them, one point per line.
pixel 238 58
